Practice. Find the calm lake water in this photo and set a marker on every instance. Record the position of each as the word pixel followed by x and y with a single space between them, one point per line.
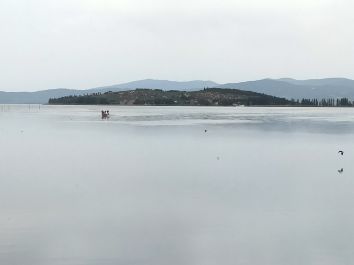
pixel 149 186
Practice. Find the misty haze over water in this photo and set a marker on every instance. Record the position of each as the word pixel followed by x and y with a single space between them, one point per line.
pixel 176 185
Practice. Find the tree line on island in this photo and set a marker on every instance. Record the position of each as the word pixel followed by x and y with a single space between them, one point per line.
pixel 330 102
pixel 205 97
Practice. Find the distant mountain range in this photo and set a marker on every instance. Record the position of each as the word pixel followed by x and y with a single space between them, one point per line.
pixel 284 87
pixel 42 97
pixel 298 89
pixel 158 84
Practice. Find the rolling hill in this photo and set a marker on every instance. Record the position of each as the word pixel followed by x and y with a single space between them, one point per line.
pixel 298 89
pixel 42 97
pixel 205 97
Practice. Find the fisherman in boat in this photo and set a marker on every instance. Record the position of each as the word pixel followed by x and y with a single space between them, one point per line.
pixel 105 114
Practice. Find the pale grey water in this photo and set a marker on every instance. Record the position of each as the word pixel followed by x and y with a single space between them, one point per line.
pixel 149 186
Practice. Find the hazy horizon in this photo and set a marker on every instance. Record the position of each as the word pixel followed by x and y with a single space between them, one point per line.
pixel 145 79
pixel 80 44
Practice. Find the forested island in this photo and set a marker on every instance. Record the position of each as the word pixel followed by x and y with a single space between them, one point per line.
pixel 205 97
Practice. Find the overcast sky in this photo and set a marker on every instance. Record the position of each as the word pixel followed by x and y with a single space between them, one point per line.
pixel 87 43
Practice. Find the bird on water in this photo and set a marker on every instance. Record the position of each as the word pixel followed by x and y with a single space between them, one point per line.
pixel 341 152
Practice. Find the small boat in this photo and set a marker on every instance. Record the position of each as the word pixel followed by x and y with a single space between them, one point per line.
pixel 105 114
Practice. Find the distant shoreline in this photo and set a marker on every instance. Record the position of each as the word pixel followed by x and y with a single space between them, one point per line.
pixel 33 105
pixel 213 106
